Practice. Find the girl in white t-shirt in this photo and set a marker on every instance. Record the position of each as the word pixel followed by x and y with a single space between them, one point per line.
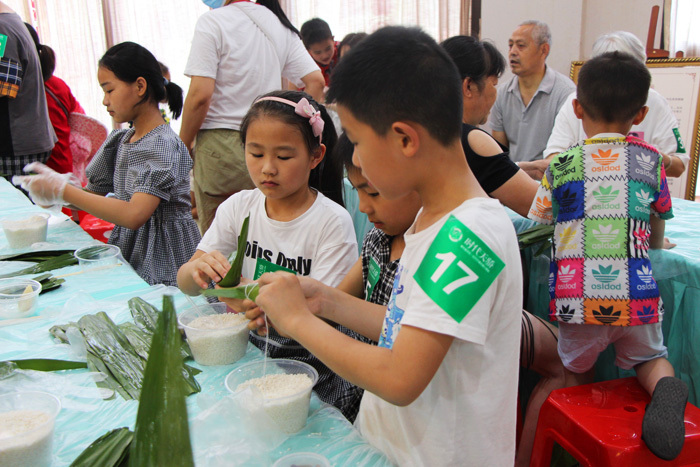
pixel 297 220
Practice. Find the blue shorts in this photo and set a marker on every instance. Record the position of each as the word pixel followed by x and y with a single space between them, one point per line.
pixel 580 344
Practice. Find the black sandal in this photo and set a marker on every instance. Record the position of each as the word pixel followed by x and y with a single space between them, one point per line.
pixel 663 429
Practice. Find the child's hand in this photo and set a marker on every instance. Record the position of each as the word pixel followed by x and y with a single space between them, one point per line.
pixel 282 300
pixel 209 267
pixel 46 188
pixel 668 245
pixel 237 304
pixel 257 320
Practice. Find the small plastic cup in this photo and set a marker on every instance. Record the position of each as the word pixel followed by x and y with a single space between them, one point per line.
pixel 302 459
pixel 26 428
pixel 212 344
pixel 23 233
pixel 289 412
pixel 18 297
pixel 90 257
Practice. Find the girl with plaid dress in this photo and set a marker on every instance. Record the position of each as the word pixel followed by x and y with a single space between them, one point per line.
pixel 146 167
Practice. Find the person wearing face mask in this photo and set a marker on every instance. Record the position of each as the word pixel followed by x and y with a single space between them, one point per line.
pixel 240 50
pixel 523 115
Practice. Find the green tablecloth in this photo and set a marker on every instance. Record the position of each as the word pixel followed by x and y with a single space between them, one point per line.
pixel 85 415
pixel 677 272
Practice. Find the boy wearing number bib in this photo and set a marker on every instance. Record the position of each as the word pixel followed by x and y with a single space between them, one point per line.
pixel 440 387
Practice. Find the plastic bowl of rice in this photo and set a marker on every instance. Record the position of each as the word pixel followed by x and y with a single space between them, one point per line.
pixel 18 297
pixel 23 233
pixel 215 336
pixel 285 386
pixel 26 428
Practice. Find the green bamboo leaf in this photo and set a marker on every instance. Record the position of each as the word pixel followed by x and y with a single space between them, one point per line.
pixel 57 262
pixel 104 340
pixel 233 276
pixel 161 432
pixel 36 256
pixel 109 450
pixel 241 292
pixel 47 364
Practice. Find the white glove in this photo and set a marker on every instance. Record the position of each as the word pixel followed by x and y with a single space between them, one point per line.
pixel 46 188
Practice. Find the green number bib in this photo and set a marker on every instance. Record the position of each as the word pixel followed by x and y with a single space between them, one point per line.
pixel 372 278
pixel 3 44
pixel 262 266
pixel 457 269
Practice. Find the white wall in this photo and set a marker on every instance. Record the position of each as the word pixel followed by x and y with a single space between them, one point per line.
pixel 575 24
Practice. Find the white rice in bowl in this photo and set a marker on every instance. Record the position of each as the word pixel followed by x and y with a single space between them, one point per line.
pixel 286 398
pixel 218 339
pixel 26 438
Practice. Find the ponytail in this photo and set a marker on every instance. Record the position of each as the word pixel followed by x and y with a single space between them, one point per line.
pixel 47 57
pixel 327 177
pixel 173 94
pixel 275 7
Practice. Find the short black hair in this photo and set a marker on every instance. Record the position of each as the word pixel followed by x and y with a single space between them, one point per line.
pixel 343 152
pixel 313 31
pixel 400 74
pixel 612 87
pixel 474 59
pixel 351 40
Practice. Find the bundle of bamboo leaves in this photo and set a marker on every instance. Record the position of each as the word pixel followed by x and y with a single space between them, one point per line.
pixel 120 351
pixel 161 434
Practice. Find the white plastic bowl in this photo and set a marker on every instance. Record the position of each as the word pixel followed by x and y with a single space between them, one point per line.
pixel 14 301
pixel 221 346
pixel 32 447
pixel 289 412
pixel 24 232
pixel 94 256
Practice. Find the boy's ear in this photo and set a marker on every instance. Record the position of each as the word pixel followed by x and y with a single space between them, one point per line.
pixel 318 156
pixel 407 137
pixel 578 109
pixel 640 115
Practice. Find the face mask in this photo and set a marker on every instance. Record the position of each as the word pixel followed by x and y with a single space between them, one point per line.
pixel 213 3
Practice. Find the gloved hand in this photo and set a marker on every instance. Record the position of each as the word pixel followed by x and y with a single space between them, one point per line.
pixel 46 188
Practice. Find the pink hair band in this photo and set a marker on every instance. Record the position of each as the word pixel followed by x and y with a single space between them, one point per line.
pixel 305 109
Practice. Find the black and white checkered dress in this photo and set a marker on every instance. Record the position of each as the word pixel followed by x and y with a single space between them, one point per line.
pixel 158 164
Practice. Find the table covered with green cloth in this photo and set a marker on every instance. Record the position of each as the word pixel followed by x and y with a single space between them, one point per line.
pixel 218 435
pixel 677 272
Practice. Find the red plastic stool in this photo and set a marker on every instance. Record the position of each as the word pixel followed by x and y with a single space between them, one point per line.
pixel 97 228
pixel 600 425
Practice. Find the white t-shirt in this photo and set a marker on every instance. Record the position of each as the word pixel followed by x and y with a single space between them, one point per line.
pixel 467 413
pixel 320 243
pixel 232 49
pixel 659 128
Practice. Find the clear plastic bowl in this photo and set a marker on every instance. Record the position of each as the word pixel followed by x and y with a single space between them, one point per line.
pixel 18 297
pixel 289 412
pixel 23 233
pixel 26 428
pixel 219 346
pixel 94 256
pixel 302 459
